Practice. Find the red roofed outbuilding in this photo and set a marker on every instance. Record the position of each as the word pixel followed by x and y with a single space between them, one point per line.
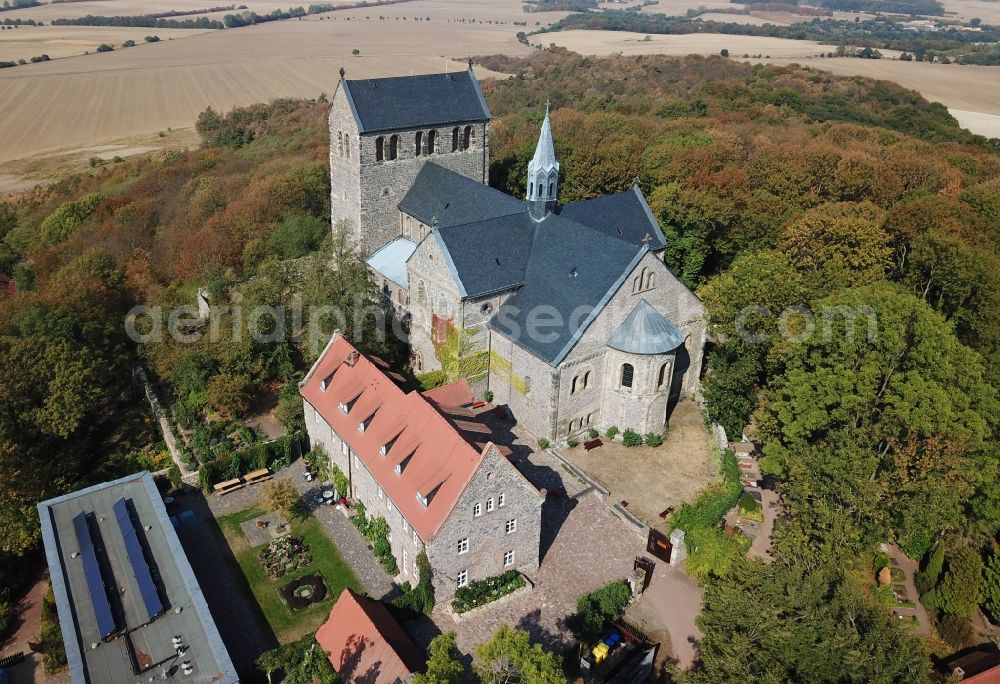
pixel 7 285
pixel 412 459
pixel 365 643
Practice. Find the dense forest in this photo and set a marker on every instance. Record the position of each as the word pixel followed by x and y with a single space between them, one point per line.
pixel 779 188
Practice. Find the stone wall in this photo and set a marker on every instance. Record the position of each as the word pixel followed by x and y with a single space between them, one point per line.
pixel 367 191
pixel 432 291
pixel 526 384
pixel 487 535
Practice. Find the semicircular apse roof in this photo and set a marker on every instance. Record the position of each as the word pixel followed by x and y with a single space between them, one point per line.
pixel 646 331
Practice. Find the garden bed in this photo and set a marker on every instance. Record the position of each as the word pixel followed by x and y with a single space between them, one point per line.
pixel 327 563
pixel 487 590
pixel 303 592
pixel 285 556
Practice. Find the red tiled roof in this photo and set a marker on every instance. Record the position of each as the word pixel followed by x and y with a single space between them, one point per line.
pixel 456 393
pixel 7 285
pixel 980 664
pixel 365 643
pixel 435 460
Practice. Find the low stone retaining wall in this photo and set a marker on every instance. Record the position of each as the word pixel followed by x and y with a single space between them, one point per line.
pixel 476 612
pixel 600 490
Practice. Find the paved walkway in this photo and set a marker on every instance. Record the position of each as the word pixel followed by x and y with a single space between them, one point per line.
pixel 909 568
pixel 670 604
pixel 771 507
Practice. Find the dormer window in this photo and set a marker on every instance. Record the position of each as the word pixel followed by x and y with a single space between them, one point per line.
pixel 387 447
pixel 346 406
pixel 422 499
pixel 401 466
pixel 363 425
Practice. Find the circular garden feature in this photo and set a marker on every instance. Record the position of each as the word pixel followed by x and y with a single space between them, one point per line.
pixel 303 592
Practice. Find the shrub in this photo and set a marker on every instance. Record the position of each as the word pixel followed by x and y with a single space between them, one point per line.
pixel 61 223
pixel 50 635
pixel 279 495
pixel 631 438
pixel 430 380
pixel 485 591
pixel 340 481
pixel 488 396
pixel 104 47
pixel 128 43
pixel 174 473
pixel 751 509
pixel 654 440
pixel 596 608
pixel 421 597
pixel 378 535
pixel 592 433
pixel 961 586
pixel 991 586
pixel 543 443
pixel 152 39
pixel 612 432
pixel 927 579
pixel 355 52
pixel 957 631
pixel 572 443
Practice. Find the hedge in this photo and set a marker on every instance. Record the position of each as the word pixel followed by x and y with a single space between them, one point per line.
pixel 484 591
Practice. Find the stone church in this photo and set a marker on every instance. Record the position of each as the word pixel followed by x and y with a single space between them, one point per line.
pixel 566 313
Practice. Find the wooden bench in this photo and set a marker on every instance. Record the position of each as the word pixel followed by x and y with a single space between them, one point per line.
pixel 257 476
pixel 223 488
pixel 592 444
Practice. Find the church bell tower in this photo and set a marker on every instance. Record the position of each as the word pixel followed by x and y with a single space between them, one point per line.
pixel 543 173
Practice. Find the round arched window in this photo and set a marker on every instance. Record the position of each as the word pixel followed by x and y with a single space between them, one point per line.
pixel 486 309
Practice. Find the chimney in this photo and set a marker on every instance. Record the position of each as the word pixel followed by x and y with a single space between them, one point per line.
pixel 352 358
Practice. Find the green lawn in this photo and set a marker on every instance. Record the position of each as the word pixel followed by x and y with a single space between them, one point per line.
pixel 327 561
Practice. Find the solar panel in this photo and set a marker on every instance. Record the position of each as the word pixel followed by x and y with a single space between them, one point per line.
pixel 143 577
pixel 95 582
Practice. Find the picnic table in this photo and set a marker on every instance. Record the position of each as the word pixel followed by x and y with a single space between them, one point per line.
pixel 228 486
pixel 257 476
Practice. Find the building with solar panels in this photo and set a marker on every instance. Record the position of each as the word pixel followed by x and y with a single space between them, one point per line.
pixel 129 605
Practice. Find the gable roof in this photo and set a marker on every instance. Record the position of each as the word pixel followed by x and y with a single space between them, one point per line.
pixel 626 212
pixel 436 462
pixel 366 644
pixel 440 197
pixel 571 279
pixel 979 664
pixel 384 104
pixel 646 331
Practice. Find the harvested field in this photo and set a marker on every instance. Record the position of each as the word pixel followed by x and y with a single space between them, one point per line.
pixel 132 92
pixel 107 8
pixel 740 19
pixel 25 42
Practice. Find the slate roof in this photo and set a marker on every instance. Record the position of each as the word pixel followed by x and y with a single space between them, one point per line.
pixel 646 331
pixel 627 211
pixel 382 104
pixel 390 261
pixel 573 279
pixel 366 644
pixel 454 199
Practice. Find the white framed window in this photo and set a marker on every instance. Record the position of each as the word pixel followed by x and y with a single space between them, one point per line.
pixel 508 559
pixel 511 526
pixel 380 493
pixel 416 539
pixel 463 545
pixel 489 504
pixel 463 578
pixel 344 449
pixel 416 570
pixel 406 561
pixel 501 500
pixel 388 505
pixel 406 526
pixel 477 510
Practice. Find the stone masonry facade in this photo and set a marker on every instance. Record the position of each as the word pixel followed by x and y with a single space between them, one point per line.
pixel 487 540
pixel 366 191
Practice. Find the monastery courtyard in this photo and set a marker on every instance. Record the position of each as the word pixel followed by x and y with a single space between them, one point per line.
pixel 584 545
pixel 652 479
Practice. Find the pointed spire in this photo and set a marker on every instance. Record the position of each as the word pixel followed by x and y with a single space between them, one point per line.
pixel 543 170
pixel 545 150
